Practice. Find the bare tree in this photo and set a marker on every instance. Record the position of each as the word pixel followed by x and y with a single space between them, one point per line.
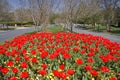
pixel 4 10
pixel 89 9
pixel 40 11
pixel 69 10
pixel 22 13
pixel 109 7
pixel 80 9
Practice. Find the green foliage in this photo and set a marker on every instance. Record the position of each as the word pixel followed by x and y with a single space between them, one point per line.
pixel 95 18
pixel 80 21
pixel 53 17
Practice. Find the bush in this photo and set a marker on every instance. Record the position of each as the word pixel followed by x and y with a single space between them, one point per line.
pixel 18 23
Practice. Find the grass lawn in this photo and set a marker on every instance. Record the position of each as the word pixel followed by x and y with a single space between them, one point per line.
pixel 114 30
pixel 1 42
pixel 31 32
pixel 55 29
pixel 51 29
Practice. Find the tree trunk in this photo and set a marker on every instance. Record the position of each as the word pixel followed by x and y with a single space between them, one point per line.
pixel 98 27
pixel 7 26
pixel 71 27
pixel 94 25
pixel 108 27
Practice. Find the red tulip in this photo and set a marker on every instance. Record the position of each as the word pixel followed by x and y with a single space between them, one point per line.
pixel 44 54
pixel 23 65
pixel 13 78
pixel 24 51
pixel 62 66
pixel 24 74
pixel 88 67
pixel 15 70
pixel 10 63
pixel 34 60
pixel 66 56
pixel 90 54
pixel 17 58
pixel 56 73
pixel 83 52
pixel 90 60
pixel 70 71
pixel 44 66
pixel 79 61
pixel 112 78
pixel 27 58
pixel 4 70
pixel 63 75
pixel 75 49
pixel 104 69
pixel 94 72
pixel 42 72
pixel 33 52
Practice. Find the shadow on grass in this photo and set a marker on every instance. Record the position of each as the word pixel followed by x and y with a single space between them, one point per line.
pixel 116 32
pixel 89 28
pixel 94 29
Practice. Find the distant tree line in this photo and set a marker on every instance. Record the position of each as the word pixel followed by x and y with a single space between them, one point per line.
pixel 69 12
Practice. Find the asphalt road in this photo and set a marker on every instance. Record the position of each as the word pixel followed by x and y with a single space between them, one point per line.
pixel 13 33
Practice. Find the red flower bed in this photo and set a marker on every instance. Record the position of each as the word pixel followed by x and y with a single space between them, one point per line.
pixel 54 56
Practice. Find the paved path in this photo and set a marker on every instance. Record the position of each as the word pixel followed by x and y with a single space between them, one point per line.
pixel 12 33
pixel 108 36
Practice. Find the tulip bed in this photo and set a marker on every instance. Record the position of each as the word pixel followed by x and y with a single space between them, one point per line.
pixel 59 56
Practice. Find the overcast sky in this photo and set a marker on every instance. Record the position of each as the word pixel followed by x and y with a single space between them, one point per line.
pixel 15 4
